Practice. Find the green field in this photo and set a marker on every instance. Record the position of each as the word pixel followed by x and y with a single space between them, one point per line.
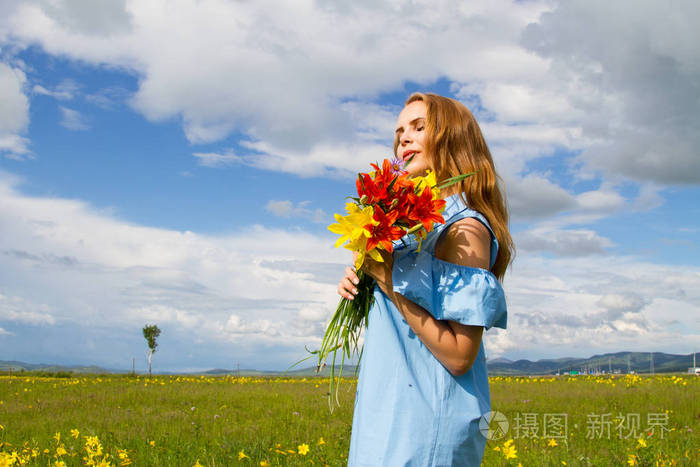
pixel 179 421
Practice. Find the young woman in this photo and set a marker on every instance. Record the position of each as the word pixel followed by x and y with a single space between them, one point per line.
pixel 423 384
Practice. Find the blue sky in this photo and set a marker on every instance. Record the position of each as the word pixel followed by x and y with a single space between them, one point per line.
pixel 159 164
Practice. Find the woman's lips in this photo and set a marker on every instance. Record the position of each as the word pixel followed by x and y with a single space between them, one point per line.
pixel 408 154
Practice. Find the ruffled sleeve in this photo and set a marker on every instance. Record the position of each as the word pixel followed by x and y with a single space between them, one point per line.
pixel 470 296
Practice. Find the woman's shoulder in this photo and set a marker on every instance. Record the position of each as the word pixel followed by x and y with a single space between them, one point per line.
pixel 467 242
pixel 464 228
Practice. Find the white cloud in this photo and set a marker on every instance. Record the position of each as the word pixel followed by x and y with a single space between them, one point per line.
pixel 569 242
pixel 580 306
pixel 534 196
pixel 73 120
pixel 108 98
pixel 289 80
pixel 14 112
pixel 289 209
pixel 66 90
pixel 5 332
pixel 631 80
pixel 95 17
pixel 286 77
pixel 621 303
pixel 18 309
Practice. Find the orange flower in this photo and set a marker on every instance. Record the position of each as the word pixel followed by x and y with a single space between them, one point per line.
pixel 427 210
pixel 384 231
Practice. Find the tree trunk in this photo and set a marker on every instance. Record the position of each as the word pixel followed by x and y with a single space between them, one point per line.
pixel 150 354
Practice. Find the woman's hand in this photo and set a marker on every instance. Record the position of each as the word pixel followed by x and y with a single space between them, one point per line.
pixel 381 271
pixel 378 270
pixel 346 286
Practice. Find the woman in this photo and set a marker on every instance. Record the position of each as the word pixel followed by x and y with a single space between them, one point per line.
pixel 423 384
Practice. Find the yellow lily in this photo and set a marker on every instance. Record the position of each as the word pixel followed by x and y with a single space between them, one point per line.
pixel 360 246
pixel 352 226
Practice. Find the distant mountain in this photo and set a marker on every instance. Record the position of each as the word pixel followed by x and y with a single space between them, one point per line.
pixel 348 370
pixel 500 360
pixel 18 367
pixel 639 362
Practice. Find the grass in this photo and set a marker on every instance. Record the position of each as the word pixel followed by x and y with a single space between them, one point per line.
pixel 221 421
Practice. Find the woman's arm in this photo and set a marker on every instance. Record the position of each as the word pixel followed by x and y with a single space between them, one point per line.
pixel 455 345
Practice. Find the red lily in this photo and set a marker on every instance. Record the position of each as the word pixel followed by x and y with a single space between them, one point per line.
pixel 383 233
pixel 425 209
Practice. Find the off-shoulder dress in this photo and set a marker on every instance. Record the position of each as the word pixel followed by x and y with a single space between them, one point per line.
pixel 409 410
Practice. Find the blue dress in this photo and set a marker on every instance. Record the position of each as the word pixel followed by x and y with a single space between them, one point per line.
pixel 409 410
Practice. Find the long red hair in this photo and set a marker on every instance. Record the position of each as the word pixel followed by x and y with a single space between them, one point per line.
pixel 454 145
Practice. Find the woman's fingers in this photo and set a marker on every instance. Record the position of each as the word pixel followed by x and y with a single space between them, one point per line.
pixel 346 287
pixel 350 273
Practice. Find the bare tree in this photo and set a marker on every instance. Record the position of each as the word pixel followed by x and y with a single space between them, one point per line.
pixel 151 333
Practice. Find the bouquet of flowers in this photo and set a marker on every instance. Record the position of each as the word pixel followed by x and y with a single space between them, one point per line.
pixel 389 205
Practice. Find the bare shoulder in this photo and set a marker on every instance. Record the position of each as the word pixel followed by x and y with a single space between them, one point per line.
pixel 467 242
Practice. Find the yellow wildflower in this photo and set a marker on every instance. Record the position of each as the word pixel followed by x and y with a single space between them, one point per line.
pixel 642 442
pixel 7 458
pixel 61 451
pixel 57 437
pixel 321 441
pixel 59 464
pixel 123 457
pixel 242 455
pixel 552 443
pixel 303 449
pixel 509 450
pixel 152 443
pixel 74 433
pixel 93 448
pixel 632 459
pixel 265 463
pixel 197 464
pixel 2 427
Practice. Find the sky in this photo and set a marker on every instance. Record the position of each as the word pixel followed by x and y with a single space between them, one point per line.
pixel 177 162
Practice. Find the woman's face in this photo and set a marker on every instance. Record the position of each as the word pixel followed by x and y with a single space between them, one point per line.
pixel 410 135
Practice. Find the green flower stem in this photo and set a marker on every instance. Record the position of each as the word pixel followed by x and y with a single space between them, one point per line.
pixel 343 331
